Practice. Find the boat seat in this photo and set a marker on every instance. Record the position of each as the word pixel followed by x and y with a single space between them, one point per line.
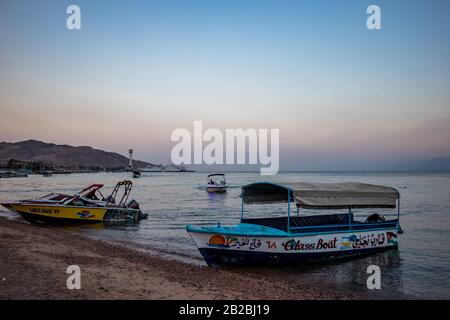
pixel 308 221
pixel 329 219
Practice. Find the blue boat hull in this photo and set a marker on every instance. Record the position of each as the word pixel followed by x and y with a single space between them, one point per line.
pixel 224 257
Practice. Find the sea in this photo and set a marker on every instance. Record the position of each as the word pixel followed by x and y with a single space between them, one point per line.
pixel 419 269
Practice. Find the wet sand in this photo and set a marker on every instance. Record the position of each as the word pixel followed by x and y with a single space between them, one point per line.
pixel 34 260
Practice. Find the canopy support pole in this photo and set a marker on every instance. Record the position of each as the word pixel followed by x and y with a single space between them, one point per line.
pixel 350 217
pixel 289 211
pixel 242 204
pixel 398 211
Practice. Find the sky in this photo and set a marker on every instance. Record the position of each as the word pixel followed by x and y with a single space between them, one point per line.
pixel 343 97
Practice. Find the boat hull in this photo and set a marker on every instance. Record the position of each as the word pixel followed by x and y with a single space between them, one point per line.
pixel 222 249
pixel 217 188
pixel 228 258
pixel 53 214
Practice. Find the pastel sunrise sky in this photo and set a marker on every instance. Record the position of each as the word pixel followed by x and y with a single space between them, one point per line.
pixel 343 97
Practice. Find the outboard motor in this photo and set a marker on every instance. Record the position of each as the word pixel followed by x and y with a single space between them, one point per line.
pixel 133 204
pixel 375 218
pixel 142 215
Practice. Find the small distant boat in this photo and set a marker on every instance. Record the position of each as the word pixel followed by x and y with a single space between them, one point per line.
pixel 47 173
pixel 171 167
pixel 13 174
pixel 88 205
pixel 152 169
pixel 217 183
pixel 136 174
pixel 296 239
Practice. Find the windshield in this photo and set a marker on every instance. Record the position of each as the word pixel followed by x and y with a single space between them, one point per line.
pixel 217 179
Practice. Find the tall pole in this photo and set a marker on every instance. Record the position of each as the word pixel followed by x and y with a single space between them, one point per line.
pixel 242 204
pixel 130 152
pixel 289 211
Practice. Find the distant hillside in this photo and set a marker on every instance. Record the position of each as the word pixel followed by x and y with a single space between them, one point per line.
pixel 438 164
pixel 64 155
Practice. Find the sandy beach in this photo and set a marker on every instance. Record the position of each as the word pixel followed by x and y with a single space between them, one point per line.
pixel 34 260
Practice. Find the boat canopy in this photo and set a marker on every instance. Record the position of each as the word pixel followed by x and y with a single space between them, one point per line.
pixel 216 174
pixel 322 195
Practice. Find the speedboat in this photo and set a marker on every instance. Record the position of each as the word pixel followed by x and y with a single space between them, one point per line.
pixel 88 205
pixel 216 183
pixel 294 239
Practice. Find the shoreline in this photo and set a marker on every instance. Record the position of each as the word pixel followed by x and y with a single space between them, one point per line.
pixel 35 259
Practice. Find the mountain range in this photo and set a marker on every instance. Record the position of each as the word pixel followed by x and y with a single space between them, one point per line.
pixel 64 155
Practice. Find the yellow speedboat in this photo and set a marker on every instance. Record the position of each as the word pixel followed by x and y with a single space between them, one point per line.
pixel 88 205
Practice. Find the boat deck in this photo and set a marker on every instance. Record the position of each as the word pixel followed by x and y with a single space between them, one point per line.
pixel 336 223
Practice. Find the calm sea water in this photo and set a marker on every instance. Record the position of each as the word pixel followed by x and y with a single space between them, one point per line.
pixel 419 269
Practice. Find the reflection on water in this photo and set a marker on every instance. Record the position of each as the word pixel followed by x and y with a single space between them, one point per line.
pixel 348 276
pixel 420 268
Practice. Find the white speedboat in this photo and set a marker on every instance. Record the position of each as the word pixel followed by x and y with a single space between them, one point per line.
pixel 217 183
